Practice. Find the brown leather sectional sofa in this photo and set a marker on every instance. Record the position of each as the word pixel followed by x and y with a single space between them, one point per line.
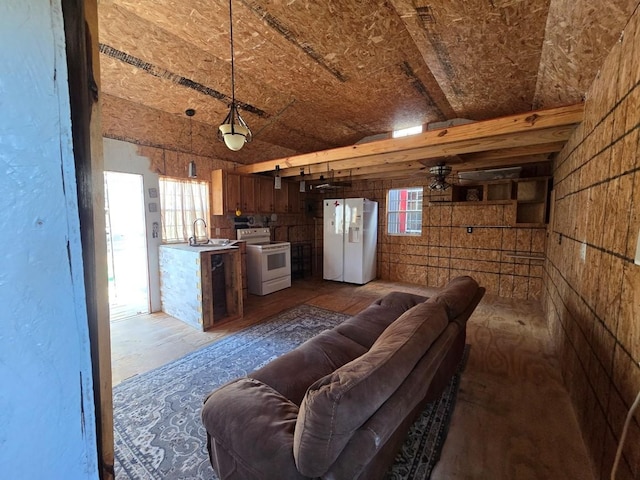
pixel 339 406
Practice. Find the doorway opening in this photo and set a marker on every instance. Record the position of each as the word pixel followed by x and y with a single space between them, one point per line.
pixel 128 265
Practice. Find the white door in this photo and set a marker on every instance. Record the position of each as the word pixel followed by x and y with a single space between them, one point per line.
pixel 127 261
pixel 333 233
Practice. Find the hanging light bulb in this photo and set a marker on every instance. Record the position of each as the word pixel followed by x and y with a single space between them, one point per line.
pixel 303 185
pixel 278 181
pixel 234 131
pixel 191 171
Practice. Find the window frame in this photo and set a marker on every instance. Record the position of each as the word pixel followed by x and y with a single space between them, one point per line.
pixel 405 213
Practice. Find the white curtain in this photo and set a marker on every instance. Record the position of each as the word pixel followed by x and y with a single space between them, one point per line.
pixel 183 201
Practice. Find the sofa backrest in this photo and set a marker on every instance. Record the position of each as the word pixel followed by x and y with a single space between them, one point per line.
pixel 315 358
pixel 335 406
pixel 456 295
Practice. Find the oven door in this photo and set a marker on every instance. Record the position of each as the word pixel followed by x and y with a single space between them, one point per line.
pixel 276 262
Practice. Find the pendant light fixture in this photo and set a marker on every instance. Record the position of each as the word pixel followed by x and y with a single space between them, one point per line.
pixel 190 112
pixel 234 131
pixel 278 180
pixel 303 184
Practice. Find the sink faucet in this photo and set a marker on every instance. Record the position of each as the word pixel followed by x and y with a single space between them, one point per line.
pixel 194 240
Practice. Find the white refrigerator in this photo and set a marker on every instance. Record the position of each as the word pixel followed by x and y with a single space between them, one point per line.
pixel 350 238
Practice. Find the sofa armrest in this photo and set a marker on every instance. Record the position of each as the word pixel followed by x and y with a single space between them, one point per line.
pixel 250 431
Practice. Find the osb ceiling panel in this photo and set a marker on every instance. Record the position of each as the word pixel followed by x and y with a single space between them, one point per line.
pixel 312 75
pixel 580 34
pixel 484 54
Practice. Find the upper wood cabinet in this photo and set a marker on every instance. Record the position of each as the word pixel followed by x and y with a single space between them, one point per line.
pixel 248 193
pixel 289 198
pixel 264 194
pixel 231 192
pixel 295 198
pixel 282 198
pixel 225 192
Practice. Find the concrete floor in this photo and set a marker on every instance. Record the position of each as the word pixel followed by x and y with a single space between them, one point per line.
pixel 513 419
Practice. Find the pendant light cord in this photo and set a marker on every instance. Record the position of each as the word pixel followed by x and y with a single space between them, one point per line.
pixel 233 82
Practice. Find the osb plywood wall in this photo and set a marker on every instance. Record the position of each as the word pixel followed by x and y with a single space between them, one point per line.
pixel 445 249
pixel 591 285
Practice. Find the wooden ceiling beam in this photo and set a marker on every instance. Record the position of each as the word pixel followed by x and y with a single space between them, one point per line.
pixel 314 172
pixel 437 152
pixel 472 161
pixel 506 153
pixel 531 128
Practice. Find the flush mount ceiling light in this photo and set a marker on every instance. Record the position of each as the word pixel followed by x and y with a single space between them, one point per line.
pixel 234 131
pixel 190 112
pixel 439 174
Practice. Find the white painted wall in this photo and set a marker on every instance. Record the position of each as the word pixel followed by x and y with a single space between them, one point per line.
pixel 47 422
pixel 123 157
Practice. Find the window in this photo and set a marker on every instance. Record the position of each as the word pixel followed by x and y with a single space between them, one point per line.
pixel 405 132
pixel 181 203
pixel 404 211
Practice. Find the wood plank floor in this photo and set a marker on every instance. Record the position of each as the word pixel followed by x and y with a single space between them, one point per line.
pixel 513 419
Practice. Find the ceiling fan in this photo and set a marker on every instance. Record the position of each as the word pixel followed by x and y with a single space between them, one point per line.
pixel 439 174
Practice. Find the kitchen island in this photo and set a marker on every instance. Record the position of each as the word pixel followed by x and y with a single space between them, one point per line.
pixel 201 285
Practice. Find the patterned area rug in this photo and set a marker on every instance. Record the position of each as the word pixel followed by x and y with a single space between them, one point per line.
pixel 158 431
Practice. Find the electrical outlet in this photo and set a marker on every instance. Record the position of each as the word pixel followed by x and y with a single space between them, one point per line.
pixel 217 231
pixel 583 252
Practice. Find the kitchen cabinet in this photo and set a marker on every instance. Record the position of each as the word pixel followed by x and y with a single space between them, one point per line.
pixel 295 198
pixel 265 195
pixel 248 193
pixel 231 191
pixel 288 199
pixel 251 194
pixel 282 198
pixel 225 192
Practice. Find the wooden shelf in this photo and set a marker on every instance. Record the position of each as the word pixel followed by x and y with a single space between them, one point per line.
pixel 528 194
pixel 531 198
pixel 484 203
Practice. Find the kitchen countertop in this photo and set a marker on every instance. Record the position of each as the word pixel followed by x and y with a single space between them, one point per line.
pixel 200 248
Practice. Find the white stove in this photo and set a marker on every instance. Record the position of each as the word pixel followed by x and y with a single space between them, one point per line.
pixel 268 263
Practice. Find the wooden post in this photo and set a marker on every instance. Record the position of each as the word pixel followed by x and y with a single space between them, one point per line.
pixel 81 32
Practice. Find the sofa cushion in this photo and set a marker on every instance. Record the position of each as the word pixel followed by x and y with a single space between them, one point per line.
pixel 456 295
pixel 367 326
pixel 292 373
pixel 336 405
pixel 400 301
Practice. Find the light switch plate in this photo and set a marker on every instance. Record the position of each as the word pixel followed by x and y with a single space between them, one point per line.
pixel 637 259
